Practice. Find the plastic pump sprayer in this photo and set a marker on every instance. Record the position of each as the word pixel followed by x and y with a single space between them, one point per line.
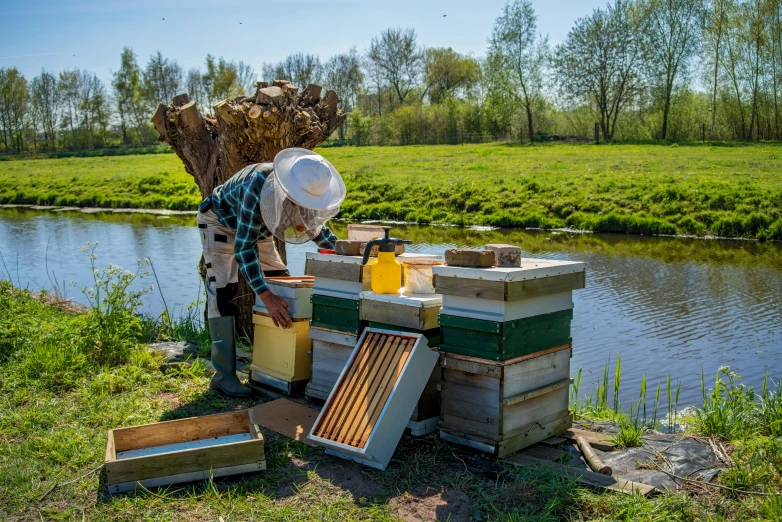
pixel 387 272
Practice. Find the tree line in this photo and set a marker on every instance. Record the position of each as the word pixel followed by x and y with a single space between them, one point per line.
pixel 640 69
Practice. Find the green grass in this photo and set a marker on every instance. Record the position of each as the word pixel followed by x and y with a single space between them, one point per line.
pixel 71 374
pixel 634 189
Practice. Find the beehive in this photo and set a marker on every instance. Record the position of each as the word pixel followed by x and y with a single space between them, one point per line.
pixel 366 413
pixel 280 356
pixel 503 406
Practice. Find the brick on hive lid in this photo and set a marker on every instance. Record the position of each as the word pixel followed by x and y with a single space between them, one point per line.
pixel 470 257
pixel 349 247
pixel 507 255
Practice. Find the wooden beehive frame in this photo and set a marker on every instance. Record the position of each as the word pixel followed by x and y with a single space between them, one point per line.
pixel 369 407
pixel 362 393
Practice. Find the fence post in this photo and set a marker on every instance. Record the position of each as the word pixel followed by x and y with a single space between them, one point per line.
pixel 597 133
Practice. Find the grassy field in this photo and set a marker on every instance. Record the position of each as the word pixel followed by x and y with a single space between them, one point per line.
pixel 69 375
pixel 729 191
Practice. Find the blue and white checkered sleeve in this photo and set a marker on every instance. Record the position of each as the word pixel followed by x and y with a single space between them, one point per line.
pixel 248 224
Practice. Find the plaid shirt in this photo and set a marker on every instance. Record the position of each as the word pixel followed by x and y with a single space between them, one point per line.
pixel 237 205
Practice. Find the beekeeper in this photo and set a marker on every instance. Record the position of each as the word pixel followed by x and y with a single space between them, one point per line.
pixel 291 199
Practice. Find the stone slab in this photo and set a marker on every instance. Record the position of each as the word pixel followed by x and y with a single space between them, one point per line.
pixel 507 255
pixel 469 257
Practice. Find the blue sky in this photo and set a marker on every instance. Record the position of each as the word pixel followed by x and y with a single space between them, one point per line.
pixel 65 34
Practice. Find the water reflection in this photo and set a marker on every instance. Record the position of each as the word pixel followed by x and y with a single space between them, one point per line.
pixel 670 306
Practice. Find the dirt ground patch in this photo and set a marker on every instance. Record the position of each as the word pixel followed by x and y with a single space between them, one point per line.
pixel 424 504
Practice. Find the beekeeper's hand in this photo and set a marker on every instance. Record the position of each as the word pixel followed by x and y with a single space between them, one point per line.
pixel 278 309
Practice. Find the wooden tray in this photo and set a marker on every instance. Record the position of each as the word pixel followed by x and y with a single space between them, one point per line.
pixel 183 450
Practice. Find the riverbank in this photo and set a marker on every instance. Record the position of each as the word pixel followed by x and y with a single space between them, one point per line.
pixel 57 404
pixel 631 189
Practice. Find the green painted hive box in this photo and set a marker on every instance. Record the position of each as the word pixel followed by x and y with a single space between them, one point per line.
pixel 336 313
pixel 432 335
pixel 500 341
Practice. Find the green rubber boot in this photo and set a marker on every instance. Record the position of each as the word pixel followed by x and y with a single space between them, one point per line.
pixel 225 380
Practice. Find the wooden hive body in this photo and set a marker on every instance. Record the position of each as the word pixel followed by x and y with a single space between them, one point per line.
pixel 367 411
pixel 331 351
pixel 166 453
pixel 280 356
pixel 503 406
pixel 294 290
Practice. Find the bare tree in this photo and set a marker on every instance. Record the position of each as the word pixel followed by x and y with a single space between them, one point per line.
pixel 397 58
pixel 671 37
pixel 300 69
pixel 45 101
pixel 343 74
pixel 246 76
pixel 598 62
pixel 520 57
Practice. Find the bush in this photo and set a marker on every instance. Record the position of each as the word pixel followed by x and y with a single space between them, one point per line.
pixel 731 226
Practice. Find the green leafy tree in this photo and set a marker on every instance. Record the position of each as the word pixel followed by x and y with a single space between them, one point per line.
pixel 14 96
pixel 671 33
pixel 518 56
pixel 161 79
pixel 598 62
pixel 127 92
pixel 447 72
pixel 45 103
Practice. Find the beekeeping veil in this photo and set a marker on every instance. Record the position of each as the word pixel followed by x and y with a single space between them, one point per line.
pixel 302 193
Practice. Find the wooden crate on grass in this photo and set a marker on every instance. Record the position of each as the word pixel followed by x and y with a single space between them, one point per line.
pixel 501 407
pixel 184 450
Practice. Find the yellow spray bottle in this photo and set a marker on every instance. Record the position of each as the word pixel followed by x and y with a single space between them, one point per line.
pixel 387 272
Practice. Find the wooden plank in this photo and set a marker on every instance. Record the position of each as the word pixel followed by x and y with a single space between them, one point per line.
pixel 352 272
pixel 586 477
pixel 449 361
pixel 518 290
pixel 179 478
pixel 178 462
pixel 287 418
pixel 596 440
pixel 333 413
pixel 521 397
pixel 553 442
pixel 473 380
pixel 181 430
pixel 540 429
pixel 111 452
pixel 535 372
pixel 333 336
pixel 493 290
pixel 540 451
pixel 532 410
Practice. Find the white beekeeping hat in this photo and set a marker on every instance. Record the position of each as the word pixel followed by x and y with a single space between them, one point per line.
pixel 302 193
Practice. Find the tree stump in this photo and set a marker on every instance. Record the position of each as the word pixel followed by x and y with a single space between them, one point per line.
pixel 244 131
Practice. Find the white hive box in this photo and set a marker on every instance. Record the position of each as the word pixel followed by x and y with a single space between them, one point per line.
pixel 366 413
pixel 500 294
pixel 295 290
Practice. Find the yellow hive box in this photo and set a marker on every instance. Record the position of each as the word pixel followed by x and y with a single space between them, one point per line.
pixel 280 356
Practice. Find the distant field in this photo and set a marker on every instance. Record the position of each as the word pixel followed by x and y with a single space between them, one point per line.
pixel 728 191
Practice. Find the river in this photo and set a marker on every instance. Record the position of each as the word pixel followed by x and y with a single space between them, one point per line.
pixel 669 306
